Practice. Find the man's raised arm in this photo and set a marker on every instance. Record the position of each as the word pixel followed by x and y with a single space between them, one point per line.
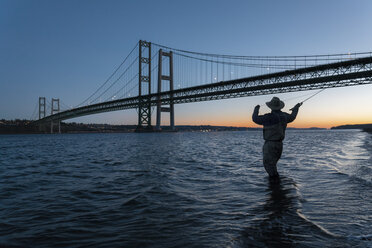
pixel 255 117
pixel 294 113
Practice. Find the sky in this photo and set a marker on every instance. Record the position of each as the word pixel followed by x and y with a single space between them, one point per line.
pixel 66 49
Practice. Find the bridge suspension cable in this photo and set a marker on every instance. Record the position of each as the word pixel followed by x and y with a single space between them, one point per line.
pixel 197 68
pixel 64 106
pixel 205 76
pixel 109 78
pixel 336 56
pixel 34 113
pixel 113 83
pixel 192 69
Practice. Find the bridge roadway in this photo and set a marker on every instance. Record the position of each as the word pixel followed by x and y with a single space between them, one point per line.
pixel 340 74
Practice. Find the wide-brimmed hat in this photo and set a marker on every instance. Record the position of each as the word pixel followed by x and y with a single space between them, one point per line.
pixel 275 104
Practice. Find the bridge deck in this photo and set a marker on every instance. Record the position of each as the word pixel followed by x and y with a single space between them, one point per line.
pixel 339 74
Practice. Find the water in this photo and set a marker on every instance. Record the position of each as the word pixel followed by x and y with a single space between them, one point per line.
pixel 185 190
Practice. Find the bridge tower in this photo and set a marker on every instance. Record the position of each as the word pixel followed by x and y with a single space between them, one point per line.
pixel 169 78
pixel 144 88
pixel 42 112
pixel 55 109
pixel 41 107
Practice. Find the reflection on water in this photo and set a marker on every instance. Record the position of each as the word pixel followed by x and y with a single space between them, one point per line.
pixel 274 227
pixel 281 223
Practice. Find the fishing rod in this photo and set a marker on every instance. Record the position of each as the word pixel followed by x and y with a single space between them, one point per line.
pixel 309 97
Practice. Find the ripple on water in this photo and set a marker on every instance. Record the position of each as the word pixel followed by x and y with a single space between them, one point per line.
pixel 188 190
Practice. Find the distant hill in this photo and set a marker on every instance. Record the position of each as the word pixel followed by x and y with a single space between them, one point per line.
pixel 356 126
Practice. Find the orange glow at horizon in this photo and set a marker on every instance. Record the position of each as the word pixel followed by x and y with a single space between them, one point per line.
pixel 305 119
pixel 295 124
pixel 333 107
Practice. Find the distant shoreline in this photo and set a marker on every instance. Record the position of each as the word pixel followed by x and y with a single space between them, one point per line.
pixel 27 127
pixel 364 127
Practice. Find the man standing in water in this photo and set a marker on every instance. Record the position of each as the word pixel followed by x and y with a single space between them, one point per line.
pixel 274 125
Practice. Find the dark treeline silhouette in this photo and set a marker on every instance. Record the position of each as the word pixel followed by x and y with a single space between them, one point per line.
pixel 27 127
pixel 17 126
pixel 355 126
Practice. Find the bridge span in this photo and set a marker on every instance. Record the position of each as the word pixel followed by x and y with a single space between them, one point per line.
pixel 346 72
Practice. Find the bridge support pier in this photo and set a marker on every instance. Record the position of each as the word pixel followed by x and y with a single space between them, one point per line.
pixel 52 124
pixel 169 78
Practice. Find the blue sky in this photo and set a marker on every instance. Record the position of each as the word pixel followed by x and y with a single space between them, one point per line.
pixel 66 49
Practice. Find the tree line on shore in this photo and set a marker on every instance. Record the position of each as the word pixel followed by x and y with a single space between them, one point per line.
pixel 24 126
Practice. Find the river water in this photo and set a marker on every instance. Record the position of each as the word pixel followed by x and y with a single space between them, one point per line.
pixel 185 190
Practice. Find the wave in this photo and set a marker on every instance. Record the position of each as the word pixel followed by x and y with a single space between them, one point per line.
pixel 280 223
pixel 353 160
pixel 366 237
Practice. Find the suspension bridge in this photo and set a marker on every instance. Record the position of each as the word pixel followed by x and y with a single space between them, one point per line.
pixel 146 80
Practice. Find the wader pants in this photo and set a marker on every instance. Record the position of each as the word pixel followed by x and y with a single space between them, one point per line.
pixel 272 151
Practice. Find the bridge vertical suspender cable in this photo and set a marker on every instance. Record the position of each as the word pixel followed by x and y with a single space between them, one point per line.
pixel 244 76
pixel 110 77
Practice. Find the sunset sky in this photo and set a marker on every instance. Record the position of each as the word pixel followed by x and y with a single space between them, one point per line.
pixel 66 49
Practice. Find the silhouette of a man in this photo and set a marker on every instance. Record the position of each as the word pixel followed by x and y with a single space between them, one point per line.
pixel 274 125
